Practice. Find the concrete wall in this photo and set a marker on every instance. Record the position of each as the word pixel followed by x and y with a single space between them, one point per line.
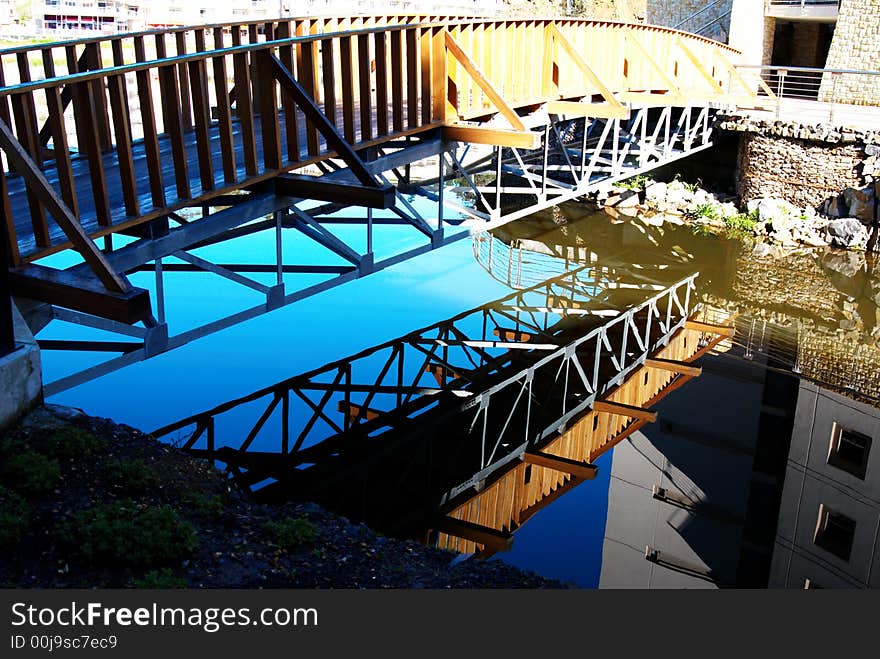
pixel 751 32
pixel 856 45
pixel 21 383
pixel 810 482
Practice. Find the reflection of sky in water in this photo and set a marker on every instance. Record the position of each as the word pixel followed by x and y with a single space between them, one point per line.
pixel 306 335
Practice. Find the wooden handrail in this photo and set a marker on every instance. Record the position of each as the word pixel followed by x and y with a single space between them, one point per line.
pixel 358 87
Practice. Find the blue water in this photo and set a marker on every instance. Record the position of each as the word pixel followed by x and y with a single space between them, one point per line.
pixel 563 541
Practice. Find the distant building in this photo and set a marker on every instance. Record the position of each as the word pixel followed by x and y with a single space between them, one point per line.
pixel 69 18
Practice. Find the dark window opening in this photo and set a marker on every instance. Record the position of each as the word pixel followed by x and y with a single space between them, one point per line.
pixel 835 532
pixel 849 451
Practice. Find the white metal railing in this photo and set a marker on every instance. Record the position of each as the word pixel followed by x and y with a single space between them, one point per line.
pixel 706 20
pixel 832 90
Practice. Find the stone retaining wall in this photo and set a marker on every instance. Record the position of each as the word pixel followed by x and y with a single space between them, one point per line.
pixel 805 165
pixel 856 45
pixel 801 172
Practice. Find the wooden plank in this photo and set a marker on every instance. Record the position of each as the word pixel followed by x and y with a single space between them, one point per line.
pixel 352 411
pixel 365 87
pixel 26 166
pixel 411 40
pixel 473 70
pixel 334 140
pixel 28 142
pixel 520 139
pixel 677 96
pixel 586 69
pixel 198 79
pixel 695 61
pixel 396 64
pixel 245 110
pixel 684 368
pixel 709 328
pixel 306 77
pixel 564 465
pixel 268 104
pixel 439 76
pixel 348 84
pixel 148 119
pixel 172 120
pixel 620 409
pixel 86 115
pixel 312 187
pixel 124 155
pixel 291 125
pixel 98 97
pixel 381 84
pixel 481 535
pixel 183 71
pixel 586 109
pixel 64 289
pixel 426 74
pixel 328 71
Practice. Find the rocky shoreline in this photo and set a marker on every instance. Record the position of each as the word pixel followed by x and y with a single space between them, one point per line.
pixel 86 503
pixel 844 221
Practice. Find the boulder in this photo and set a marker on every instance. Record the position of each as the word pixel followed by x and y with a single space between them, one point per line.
pixel 859 202
pixel 655 192
pixel 761 250
pixel 847 232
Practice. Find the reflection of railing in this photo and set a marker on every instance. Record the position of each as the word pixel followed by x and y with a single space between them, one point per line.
pixel 833 87
pixel 462 379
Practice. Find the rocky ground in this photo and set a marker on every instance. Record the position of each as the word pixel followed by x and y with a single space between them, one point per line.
pixel 85 502
pixel 844 221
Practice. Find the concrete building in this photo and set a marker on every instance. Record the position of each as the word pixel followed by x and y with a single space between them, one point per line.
pixel 829 518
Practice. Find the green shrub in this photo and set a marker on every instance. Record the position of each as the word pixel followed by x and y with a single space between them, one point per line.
pixel 292 532
pixel 14 517
pixel 707 210
pixel 30 473
pixel 637 182
pixel 742 221
pixel 70 443
pixel 161 578
pixel 132 476
pixel 121 533
pixel 690 187
pixel 208 506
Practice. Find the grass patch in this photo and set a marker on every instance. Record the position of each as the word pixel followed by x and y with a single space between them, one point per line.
pixel 690 187
pixel 70 443
pixel 207 506
pixel 14 517
pixel 292 532
pixel 122 533
pixel 742 221
pixel 707 211
pixel 637 182
pixel 30 473
pixel 162 578
pixel 132 476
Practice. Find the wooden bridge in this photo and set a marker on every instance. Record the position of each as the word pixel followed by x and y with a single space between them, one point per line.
pixel 172 140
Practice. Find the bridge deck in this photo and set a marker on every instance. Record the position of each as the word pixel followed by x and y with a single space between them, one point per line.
pixel 110 159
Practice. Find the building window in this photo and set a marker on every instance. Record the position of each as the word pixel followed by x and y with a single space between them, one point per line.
pixel 834 532
pixel 849 450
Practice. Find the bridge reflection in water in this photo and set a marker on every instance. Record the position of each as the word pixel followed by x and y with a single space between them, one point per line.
pixel 456 434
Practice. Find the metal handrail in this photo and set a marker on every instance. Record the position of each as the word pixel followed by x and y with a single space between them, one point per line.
pixel 690 17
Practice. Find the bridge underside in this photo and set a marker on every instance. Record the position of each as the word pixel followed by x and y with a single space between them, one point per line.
pixel 315 136
pixel 473 187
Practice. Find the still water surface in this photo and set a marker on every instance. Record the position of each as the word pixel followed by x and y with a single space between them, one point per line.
pixel 727 488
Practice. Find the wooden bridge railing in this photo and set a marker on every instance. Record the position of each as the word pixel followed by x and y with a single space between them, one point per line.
pixel 145 130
